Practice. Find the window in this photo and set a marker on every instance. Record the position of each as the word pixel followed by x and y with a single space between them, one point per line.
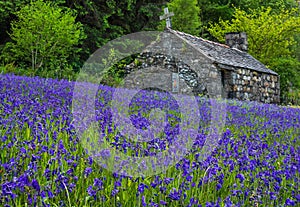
pixel 223 78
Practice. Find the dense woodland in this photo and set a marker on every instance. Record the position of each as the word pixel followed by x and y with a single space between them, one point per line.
pixel 54 38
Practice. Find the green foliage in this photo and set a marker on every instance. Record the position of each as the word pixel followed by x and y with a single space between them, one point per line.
pixel 214 10
pixel 17 70
pixel 186 16
pixel 115 74
pixel 7 9
pixel 289 70
pixel 266 32
pixel 107 20
pixel 148 13
pixel 292 98
pixel 296 47
pixel 44 36
pixel 102 21
pixel 276 5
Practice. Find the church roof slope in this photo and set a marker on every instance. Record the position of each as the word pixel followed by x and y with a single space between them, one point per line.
pixel 223 54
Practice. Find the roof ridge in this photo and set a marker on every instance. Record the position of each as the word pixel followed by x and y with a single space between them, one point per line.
pixel 179 35
pixel 201 38
pixel 220 53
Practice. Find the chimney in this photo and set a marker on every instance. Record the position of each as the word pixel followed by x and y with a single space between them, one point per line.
pixel 237 40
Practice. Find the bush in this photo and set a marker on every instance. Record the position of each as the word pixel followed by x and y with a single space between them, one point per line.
pixel 43 37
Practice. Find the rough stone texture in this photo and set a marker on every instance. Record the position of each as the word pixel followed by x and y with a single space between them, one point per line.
pixel 202 73
pixel 237 40
pixel 156 70
pixel 245 84
pixel 223 54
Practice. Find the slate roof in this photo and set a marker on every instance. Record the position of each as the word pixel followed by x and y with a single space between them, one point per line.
pixel 223 54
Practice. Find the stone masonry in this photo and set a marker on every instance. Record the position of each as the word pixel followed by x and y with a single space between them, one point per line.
pixel 204 67
pixel 160 67
pixel 251 85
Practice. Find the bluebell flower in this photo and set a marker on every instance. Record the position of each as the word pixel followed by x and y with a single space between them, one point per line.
pixel 43 194
pixel 98 183
pixel 91 191
pixel 175 195
pixel 143 201
pixel 272 196
pixel 50 194
pixel 162 202
pixel 88 171
pixel 298 197
pixel 241 177
pixel 219 186
pixel 114 192
pixel 141 188
pixel 290 202
pixel 35 185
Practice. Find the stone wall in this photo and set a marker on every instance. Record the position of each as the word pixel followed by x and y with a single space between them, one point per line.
pixel 189 58
pixel 236 83
pixel 156 70
pixel 199 74
pixel 244 84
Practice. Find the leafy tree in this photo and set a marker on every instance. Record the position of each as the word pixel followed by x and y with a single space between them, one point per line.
pixel 101 20
pixel 7 15
pixel 214 10
pixel 186 16
pixel 289 70
pixel 44 36
pixel 276 5
pixel 269 35
pixel 7 8
pixel 105 20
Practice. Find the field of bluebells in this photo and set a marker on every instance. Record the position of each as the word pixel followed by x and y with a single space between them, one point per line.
pixel 43 163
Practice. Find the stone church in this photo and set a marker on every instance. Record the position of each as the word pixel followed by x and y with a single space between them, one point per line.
pixel 183 63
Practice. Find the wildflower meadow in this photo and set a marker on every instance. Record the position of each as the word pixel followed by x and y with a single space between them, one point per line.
pixel 256 160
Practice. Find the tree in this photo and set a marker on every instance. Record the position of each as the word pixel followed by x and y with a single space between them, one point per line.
pixel 214 10
pixel 269 35
pixel 44 36
pixel 105 20
pixel 7 8
pixel 289 70
pixel 186 18
pixel 276 5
